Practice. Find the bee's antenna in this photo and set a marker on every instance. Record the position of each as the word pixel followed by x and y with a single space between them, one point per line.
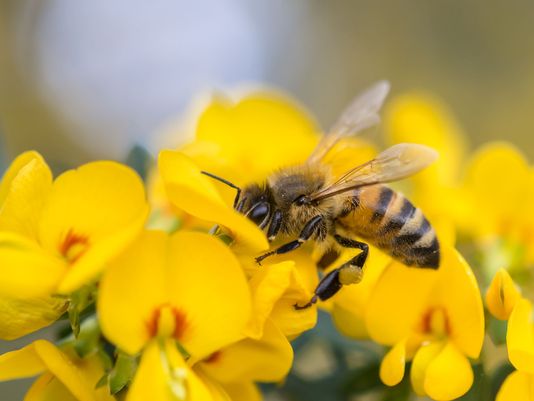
pixel 215 177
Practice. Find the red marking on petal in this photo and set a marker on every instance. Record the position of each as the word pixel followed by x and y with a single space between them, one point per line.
pixel 180 322
pixel 73 246
pixel 213 358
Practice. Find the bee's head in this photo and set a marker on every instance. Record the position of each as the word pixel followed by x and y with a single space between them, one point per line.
pixel 256 203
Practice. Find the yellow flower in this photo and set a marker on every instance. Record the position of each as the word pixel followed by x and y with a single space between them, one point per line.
pixel 63 376
pixel 435 318
pixel 520 343
pixel 249 138
pixel 243 141
pixel 517 386
pixel 520 337
pixel 187 288
pixel 56 236
pixel 502 295
pixel 499 186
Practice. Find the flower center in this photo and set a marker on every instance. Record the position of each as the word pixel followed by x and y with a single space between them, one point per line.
pixel 73 246
pixel 436 322
pixel 167 321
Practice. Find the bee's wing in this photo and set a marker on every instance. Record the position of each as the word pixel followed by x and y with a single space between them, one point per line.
pixel 396 162
pixel 362 113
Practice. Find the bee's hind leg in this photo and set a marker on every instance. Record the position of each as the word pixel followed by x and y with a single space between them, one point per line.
pixel 350 272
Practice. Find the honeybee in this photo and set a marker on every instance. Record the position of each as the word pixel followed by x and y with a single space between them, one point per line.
pixel 307 202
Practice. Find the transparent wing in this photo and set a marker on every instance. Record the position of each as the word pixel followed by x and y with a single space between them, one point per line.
pixel 395 163
pixel 362 113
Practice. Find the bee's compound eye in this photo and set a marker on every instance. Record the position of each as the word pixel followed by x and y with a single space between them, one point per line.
pixel 258 214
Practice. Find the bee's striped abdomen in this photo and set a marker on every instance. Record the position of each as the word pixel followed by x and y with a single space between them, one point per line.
pixel 391 222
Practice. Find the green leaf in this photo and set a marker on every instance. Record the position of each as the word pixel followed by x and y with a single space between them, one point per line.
pixel 103 381
pixel 88 338
pixel 123 372
pixel 79 301
pixel 140 160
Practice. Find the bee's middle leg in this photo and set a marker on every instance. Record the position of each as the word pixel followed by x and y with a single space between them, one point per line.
pixel 350 272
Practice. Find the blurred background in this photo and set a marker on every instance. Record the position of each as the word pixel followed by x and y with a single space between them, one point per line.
pixel 86 80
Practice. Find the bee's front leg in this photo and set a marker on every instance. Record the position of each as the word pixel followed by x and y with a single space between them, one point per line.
pixel 309 229
pixel 350 272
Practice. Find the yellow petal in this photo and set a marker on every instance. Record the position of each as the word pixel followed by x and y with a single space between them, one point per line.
pixel 64 370
pixel 92 212
pixel 463 306
pixel 243 391
pixel 421 361
pixel 350 304
pixel 520 337
pixel 131 289
pixel 195 193
pixel 267 125
pixel 207 284
pixel 23 191
pixel 42 356
pixel 90 264
pixel 517 386
pixel 266 360
pixel 163 375
pixel 393 364
pixel 391 314
pixel 23 316
pixel 90 370
pixel 449 375
pixel 24 362
pixel 275 289
pixel 502 295
pixel 27 270
pixel 48 388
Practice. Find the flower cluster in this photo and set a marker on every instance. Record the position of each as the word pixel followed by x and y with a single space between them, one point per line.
pixel 164 299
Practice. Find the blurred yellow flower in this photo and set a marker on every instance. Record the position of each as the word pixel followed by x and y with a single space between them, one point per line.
pixel 502 295
pixel 187 288
pixel 56 236
pixel 243 141
pixel 519 385
pixel 247 139
pixel 435 318
pixel 499 186
pixel 63 376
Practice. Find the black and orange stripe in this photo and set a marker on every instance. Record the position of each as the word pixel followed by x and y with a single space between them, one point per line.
pixel 391 222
